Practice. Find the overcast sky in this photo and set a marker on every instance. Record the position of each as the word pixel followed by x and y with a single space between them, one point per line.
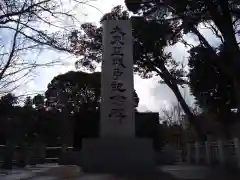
pixel 153 96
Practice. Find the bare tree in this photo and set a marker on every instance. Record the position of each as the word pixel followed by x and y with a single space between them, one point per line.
pixel 172 115
pixel 29 27
pixel 175 113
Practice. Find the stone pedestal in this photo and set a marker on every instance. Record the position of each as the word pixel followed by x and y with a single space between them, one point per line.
pixel 113 155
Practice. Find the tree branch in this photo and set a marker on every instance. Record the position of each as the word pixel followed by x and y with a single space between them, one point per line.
pixel 38 41
pixel 12 50
pixel 22 11
pixel 215 31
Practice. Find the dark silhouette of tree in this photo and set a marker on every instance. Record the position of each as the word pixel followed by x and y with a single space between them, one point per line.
pixel 7 102
pixel 212 87
pixel 71 93
pixel 40 119
pixel 28 102
pixel 75 95
pixel 21 125
pixel 38 101
pixel 11 126
pixel 27 114
pixel 76 91
pixel 221 17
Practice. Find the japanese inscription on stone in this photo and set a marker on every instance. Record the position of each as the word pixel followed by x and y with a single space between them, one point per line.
pixel 117 115
pixel 117 86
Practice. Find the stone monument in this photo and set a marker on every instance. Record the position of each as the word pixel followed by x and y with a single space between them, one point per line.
pixel 117 149
pixel 117 106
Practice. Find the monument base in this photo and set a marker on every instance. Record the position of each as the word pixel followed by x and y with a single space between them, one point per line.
pixel 113 155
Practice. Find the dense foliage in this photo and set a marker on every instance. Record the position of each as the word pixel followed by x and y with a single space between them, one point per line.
pixel 41 116
pixel 212 88
pixel 214 70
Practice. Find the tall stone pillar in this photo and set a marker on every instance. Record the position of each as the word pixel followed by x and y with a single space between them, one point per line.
pixel 117 150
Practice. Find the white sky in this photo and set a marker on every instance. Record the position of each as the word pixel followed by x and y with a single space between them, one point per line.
pixel 153 96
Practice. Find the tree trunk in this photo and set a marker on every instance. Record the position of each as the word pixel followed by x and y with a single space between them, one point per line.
pixel 188 112
pixel 65 131
pixel 169 80
pixel 230 42
pixel 234 54
pixel 232 68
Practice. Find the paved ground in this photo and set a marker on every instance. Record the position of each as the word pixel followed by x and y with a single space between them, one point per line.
pixel 187 172
pixel 55 172
pixel 26 173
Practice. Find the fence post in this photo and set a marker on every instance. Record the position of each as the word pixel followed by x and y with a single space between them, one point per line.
pixel 237 150
pixel 207 150
pixel 189 153
pixel 197 152
pixel 221 152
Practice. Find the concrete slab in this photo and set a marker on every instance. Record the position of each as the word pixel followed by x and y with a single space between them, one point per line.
pixel 113 155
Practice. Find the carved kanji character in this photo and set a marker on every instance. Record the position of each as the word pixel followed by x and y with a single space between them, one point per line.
pixel 117 73
pixel 118 30
pixel 117 86
pixel 117 113
pixel 117 51
pixel 117 39
pixel 118 61
pixel 118 98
